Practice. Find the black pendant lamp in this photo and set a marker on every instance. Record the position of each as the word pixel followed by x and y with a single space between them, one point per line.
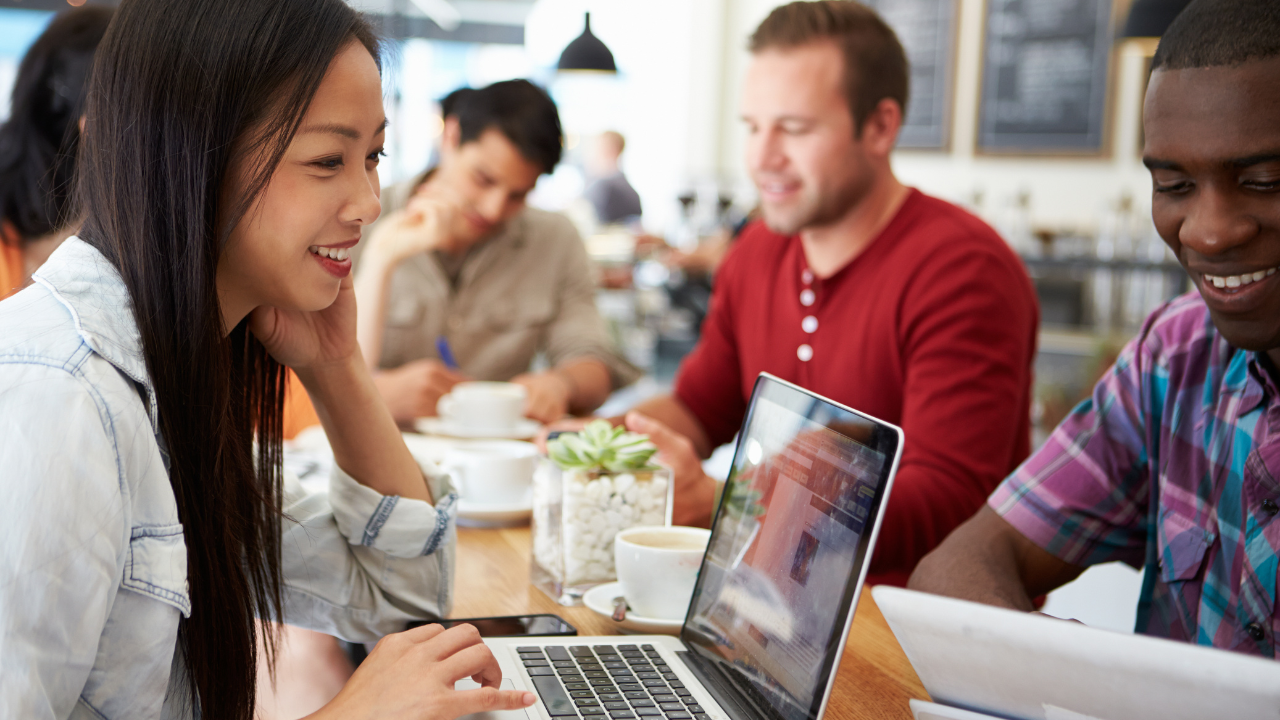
pixel 586 52
pixel 1150 18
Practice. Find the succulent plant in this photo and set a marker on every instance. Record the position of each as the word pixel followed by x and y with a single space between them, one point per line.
pixel 600 446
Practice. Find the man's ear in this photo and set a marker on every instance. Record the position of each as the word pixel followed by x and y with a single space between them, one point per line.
pixel 450 136
pixel 880 129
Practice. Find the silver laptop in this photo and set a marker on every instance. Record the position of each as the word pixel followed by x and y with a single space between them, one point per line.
pixel 980 662
pixel 776 592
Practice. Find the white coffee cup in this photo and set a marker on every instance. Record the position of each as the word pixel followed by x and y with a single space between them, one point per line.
pixel 658 567
pixel 494 472
pixel 483 406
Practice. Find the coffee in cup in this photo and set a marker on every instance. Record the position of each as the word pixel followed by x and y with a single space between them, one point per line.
pixel 658 567
pixel 492 472
pixel 483 407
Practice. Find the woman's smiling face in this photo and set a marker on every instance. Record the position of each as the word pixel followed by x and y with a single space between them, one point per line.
pixel 291 249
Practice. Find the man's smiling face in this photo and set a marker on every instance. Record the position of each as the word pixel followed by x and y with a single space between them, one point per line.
pixel 1213 148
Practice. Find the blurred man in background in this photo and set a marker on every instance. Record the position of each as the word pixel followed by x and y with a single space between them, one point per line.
pixel 894 303
pixel 609 193
pixel 459 279
pixel 39 141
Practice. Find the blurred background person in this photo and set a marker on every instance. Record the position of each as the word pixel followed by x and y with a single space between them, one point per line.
pixel 610 195
pixel 460 279
pixel 38 143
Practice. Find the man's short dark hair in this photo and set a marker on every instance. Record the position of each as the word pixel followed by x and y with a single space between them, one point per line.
pixel 520 110
pixel 875 65
pixel 1214 33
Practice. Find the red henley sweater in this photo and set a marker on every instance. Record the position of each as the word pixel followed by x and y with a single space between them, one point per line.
pixel 932 328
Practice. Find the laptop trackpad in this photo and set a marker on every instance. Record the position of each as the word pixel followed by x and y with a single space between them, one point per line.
pixel 507 684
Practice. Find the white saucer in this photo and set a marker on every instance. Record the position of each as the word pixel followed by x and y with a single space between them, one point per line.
pixel 473 514
pixel 524 429
pixel 600 600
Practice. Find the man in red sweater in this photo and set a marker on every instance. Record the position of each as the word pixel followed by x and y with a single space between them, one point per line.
pixel 892 302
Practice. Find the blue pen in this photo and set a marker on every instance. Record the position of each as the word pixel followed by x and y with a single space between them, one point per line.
pixel 446 354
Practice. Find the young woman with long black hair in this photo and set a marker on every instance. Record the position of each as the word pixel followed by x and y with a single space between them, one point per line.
pixel 227 165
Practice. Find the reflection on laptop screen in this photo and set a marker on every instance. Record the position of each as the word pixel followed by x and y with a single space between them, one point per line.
pixel 787 549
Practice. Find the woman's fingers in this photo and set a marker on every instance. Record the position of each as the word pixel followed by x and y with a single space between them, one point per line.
pixel 476 662
pixel 422 633
pixel 465 702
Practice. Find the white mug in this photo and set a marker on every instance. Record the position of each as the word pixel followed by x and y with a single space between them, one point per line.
pixel 658 567
pixel 483 406
pixel 495 472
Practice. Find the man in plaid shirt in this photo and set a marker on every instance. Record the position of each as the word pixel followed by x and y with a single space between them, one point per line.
pixel 1174 463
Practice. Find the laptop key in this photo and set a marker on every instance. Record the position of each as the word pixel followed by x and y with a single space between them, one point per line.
pixel 611 697
pixel 558 652
pixel 624 670
pixel 677 685
pixel 681 690
pixel 669 676
pixel 665 697
pixel 581 694
pixel 656 682
pixel 700 716
pixel 600 681
pixel 648 712
pixel 622 715
pixel 595 673
pixel 642 703
pixel 540 671
pixel 553 696
pixel 679 716
pixel 529 649
pixel 696 709
pixel 671 706
pixel 580 650
pixel 596 711
pixel 536 663
pixel 585 702
pixel 630 687
pixel 577 686
pixel 616 706
pixel 564 664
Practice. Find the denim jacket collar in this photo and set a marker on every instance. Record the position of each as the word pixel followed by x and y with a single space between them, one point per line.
pixel 91 289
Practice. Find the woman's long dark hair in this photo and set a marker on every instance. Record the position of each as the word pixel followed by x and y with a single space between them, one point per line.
pixel 38 143
pixel 182 90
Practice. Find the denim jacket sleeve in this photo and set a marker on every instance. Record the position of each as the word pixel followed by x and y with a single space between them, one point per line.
pixel 359 565
pixel 64 533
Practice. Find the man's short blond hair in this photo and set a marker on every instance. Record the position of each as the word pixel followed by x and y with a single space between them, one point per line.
pixel 875 65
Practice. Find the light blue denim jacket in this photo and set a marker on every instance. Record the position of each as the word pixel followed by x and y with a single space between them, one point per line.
pixel 93 565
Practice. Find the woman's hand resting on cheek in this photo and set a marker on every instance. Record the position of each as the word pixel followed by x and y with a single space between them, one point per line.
pixel 410 676
pixel 300 339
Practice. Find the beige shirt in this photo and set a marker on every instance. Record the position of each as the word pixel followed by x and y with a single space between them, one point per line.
pixel 528 289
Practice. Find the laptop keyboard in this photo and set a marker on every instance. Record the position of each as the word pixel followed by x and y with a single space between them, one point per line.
pixel 608 682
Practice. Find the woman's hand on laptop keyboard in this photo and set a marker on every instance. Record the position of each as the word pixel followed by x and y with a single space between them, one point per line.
pixel 411 675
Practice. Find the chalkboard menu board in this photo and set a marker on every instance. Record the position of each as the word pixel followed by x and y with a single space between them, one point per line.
pixel 1044 79
pixel 927 30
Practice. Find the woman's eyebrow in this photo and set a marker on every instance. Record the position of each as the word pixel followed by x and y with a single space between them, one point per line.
pixel 345 131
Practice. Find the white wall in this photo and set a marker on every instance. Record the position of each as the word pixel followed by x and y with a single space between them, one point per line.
pixel 665 99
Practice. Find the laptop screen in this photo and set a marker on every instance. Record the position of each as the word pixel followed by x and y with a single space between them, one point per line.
pixel 788 546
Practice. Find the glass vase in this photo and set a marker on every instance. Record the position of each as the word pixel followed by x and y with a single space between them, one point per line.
pixel 577 513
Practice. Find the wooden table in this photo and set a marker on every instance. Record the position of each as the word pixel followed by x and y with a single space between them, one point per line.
pixel 875 679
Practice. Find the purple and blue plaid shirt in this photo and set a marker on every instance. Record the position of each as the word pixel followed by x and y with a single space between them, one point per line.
pixel 1194 422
